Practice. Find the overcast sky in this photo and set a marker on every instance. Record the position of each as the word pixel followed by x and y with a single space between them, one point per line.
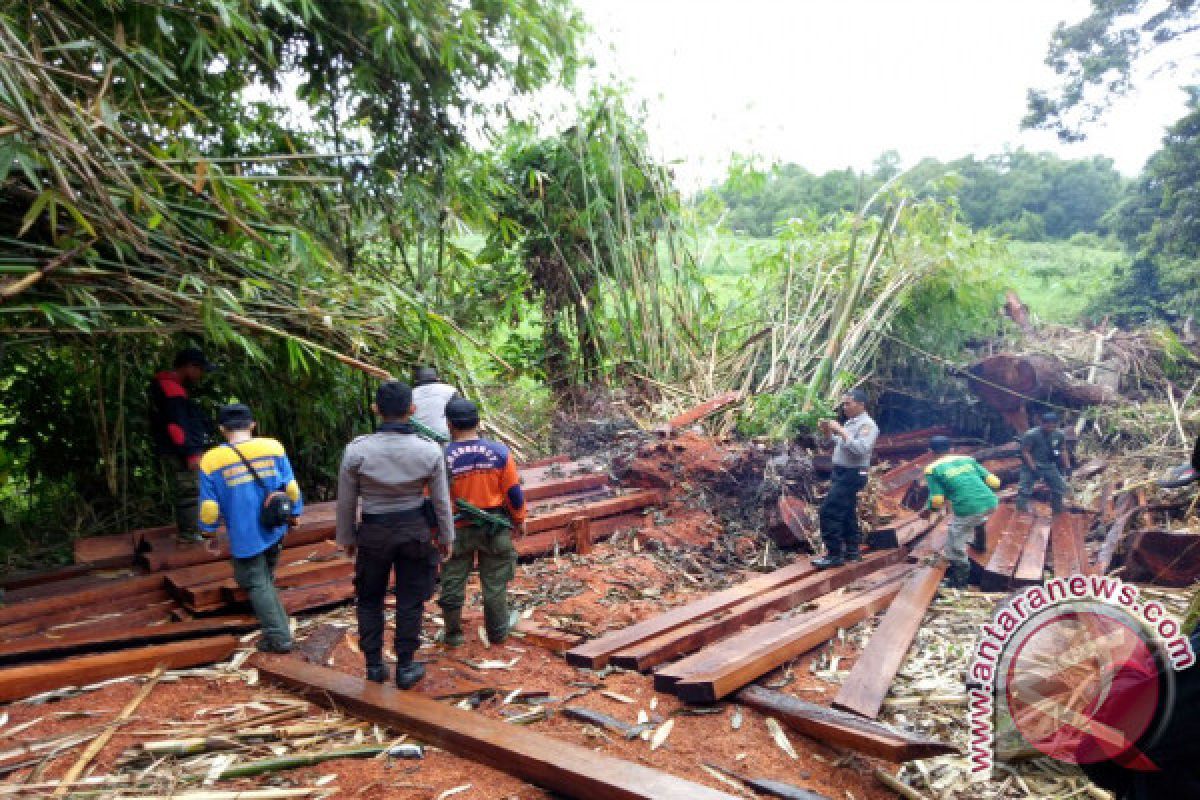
pixel 833 83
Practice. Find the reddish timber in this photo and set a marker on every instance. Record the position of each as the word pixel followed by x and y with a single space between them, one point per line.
pixel 94 597
pixel 597 653
pixel 1032 566
pixel 44 622
pixel 569 769
pixel 88 640
pixel 595 510
pixel 1066 544
pixel 309 598
pixel 538 544
pixel 868 683
pixel 997 575
pixel 31 679
pixel 836 727
pixel 705 409
pixel 652 652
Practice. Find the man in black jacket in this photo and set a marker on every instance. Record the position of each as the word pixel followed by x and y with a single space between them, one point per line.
pixel 181 431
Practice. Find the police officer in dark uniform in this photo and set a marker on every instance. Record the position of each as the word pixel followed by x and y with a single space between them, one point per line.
pixel 391 471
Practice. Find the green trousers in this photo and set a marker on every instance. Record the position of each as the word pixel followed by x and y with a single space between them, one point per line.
pixel 257 576
pixel 497 564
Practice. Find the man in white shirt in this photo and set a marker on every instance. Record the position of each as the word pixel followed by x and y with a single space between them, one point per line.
pixel 430 395
pixel 852 445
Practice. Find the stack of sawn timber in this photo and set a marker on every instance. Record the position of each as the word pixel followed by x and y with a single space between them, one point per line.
pixel 142 595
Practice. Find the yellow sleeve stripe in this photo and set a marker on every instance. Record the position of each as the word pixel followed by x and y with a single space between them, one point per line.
pixel 210 512
pixel 293 491
pixel 222 456
pixel 937 501
pixel 992 481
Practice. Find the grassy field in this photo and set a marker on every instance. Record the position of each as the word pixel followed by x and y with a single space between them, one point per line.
pixel 1057 280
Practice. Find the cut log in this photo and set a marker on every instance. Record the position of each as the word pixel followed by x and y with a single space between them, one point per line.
pixel 998 522
pixel 87 640
pixel 20 682
pixel 560 518
pixel 179 581
pixel 705 409
pixel 660 649
pixel 1017 311
pixel 94 597
pixel 1007 381
pixel 837 727
pixel 551 639
pixel 776 643
pixel 311 598
pixel 1066 544
pixel 997 575
pixel 1166 558
pixel 899 533
pixel 794 526
pixel 867 685
pixel 103 548
pixel 552 764
pixel 540 544
pixel 176 555
pixel 44 622
pixel 14 581
pixel 596 653
pixel 1031 568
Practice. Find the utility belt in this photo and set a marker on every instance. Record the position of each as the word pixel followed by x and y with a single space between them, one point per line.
pixel 410 524
pixel 841 471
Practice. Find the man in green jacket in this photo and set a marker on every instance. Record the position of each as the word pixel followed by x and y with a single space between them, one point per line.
pixel 971 491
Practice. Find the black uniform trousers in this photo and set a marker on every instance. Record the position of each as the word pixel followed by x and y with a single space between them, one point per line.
pixel 402 543
pixel 839 511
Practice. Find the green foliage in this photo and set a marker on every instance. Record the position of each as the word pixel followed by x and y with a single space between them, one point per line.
pixel 782 414
pixel 1028 196
pixel 1061 282
pixel 1096 57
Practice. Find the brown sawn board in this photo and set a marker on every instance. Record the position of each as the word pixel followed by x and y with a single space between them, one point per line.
pixel 86 640
pixel 836 727
pixel 997 575
pixel 559 766
pixel 1032 566
pixel 1066 544
pixel 872 675
pixel 19 682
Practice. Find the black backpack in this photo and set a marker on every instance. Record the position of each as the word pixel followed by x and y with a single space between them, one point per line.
pixel 277 508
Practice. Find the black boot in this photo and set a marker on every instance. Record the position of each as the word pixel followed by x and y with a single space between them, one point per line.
pixel 853 553
pixel 980 543
pixel 409 675
pixel 956 576
pixel 377 673
pixel 828 561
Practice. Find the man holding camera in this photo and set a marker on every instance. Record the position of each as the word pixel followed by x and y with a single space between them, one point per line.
pixel 852 445
pixel 392 471
pixel 248 483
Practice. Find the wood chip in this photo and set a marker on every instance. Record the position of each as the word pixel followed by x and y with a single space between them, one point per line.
pixel 660 735
pixel 781 738
pixel 454 791
pixel 620 698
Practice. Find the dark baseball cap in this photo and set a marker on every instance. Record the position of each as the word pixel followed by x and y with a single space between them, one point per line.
pixel 235 416
pixel 424 375
pixel 194 357
pixel 857 395
pixel 939 444
pixel 1049 416
pixel 462 413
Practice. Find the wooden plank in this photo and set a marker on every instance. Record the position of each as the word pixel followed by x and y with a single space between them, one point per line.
pixel 1066 544
pixel 776 643
pixel 705 409
pixel 997 575
pixel 558 766
pixel 92 597
pixel 137 618
pixel 37 624
pixel 178 580
pixel 551 639
pixel 87 640
pixel 311 598
pixel 540 544
pixel 318 646
pixel 836 727
pixel 659 649
pixel 77 583
pixel 13 581
pixel 23 681
pixel 997 523
pixel 310 573
pixel 190 554
pixel 1031 568
pixel 556 487
pixel 899 533
pixel 867 684
pixel 101 548
pixel 560 518
pixel 1166 558
pixel 596 653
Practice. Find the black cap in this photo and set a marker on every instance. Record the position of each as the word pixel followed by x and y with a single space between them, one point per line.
pixel 424 375
pixel 939 444
pixel 193 357
pixel 857 395
pixel 394 399
pixel 1049 416
pixel 462 413
pixel 235 416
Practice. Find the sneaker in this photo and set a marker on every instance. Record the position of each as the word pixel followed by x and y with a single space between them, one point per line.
pixel 267 646
pixel 409 675
pixel 452 638
pixel 377 673
pixel 828 562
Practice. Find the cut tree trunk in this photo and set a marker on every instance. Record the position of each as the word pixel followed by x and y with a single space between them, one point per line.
pixel 1008 380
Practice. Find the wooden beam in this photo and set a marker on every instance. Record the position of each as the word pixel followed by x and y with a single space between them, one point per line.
pixel 557 487
pixel 540 544
pixel 44 622
pixel 997 575
pixel 14 581
pixel 86 640
pixel 311 598
pixel 100 548
pixel 596 653
pixel 20 682
pixel 560 518
pixel 831 726
pixel 178 555
pixel 216 571
pixel 764 647
pixel 93 597
pixel 997 523
pixel 558 766
pixel 867 684
pixel 705 409
pixel 660 649
pixel 1066 544
pixel 1031 568
pixel 899 533
pixel 581 534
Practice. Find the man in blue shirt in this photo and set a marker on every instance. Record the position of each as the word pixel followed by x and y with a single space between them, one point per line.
pixel 235 481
